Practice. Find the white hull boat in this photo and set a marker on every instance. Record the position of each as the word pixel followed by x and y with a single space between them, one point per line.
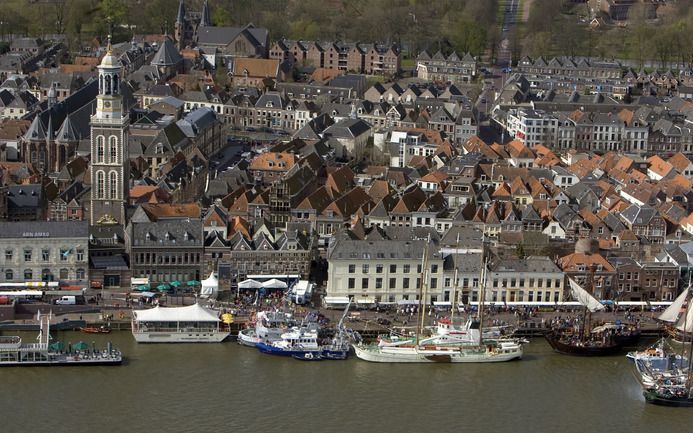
pixel 505 351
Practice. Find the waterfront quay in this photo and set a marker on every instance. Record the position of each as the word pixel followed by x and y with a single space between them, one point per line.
pixel 114 310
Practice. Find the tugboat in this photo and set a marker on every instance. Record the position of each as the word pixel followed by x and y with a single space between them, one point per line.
pixel 608 339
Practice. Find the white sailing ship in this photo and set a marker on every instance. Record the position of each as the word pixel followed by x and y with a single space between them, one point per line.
pixel 435 350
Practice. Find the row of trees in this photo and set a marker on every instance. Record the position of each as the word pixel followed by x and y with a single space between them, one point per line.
pixel 464 25
pixel 555 28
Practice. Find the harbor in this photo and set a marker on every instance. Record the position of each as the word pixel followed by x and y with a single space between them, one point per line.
pixel 219 387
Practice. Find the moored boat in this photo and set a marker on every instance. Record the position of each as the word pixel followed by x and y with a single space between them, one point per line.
pixel 96 330
pixel 268 326
pixel 448 345
pixel 191 324
pixel 15 353
pixel 604 340
pixel 674 387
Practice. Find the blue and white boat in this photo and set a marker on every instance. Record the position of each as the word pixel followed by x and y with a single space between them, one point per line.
pixel 304 343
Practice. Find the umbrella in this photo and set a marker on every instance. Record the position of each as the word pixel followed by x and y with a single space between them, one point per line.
pixel 163 287
pixel 81 345
pixel 175 283
pixel 227 318
pixel 142 288
pixel 193 283
pixel 58 345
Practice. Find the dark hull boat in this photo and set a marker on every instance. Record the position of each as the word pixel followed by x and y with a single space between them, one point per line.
pixel 579 348
pixel 668 399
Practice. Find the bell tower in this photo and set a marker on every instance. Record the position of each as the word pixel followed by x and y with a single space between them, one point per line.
pixel 110 162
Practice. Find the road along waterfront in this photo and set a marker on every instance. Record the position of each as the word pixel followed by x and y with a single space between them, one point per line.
pixel 226 387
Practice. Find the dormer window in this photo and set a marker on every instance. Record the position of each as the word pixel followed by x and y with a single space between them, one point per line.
pixel 148 236
pixel 269 104
pixel 167 236
pixel 186 236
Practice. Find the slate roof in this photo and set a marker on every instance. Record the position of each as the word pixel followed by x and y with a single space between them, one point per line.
pixel 183 233
pixel 167 55
pixel 44 229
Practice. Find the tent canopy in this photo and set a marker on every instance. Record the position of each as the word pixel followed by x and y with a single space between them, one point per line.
pixel 191 313
pixel 249 284
pixel 274 284
pixel 210 287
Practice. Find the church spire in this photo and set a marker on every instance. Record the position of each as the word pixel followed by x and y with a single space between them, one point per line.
pixel 180 18
pixel 206 21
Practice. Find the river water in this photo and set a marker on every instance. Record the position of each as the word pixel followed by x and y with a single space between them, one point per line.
pixel 226 387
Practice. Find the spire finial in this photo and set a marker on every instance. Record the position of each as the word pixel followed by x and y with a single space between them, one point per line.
pixel 109 48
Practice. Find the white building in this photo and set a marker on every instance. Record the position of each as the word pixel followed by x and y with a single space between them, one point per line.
pixel 383 271
pixel 44 251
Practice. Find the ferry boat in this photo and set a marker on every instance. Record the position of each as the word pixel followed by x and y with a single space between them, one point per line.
pixel 15 353
pixel 191 324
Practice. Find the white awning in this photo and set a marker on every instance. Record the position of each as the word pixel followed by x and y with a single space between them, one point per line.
pixel 336 300
pixel 139 281
pixel 191 313
pixel 442 304
pixel 365 301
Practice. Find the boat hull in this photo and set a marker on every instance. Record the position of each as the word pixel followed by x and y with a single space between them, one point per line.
pixel 653 398
pixel 273 350
pixel 628 340
pixel 571 349
pixel 248 337
pixel 417 355
pixel 180 337
pixel 66 360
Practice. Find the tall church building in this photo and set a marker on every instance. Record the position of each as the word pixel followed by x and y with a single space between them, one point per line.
pixel 110 163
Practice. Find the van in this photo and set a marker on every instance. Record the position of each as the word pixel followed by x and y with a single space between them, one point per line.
pixel 66 300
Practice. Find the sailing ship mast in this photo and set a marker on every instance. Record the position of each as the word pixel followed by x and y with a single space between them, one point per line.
pixel 482 297
pixel 421 314
pixel 454 285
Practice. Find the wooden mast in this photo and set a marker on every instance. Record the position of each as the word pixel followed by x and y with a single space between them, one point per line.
pixel 454 284
pixel 422 293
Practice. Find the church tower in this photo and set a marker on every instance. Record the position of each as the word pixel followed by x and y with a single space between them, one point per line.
pixel 110 163
pixel 179 32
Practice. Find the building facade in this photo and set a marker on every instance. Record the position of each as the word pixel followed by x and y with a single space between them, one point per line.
pixel 44 251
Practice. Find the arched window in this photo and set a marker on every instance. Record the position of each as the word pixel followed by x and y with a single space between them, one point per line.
pixel 101 84
pixel 112 185
pixel 80 274
pixel 115 84
pixel 63 274
pixel 108 85
pixel 100 148
pixel 113 149
pixel 9 275
pixel 28 275
pixel 100 184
